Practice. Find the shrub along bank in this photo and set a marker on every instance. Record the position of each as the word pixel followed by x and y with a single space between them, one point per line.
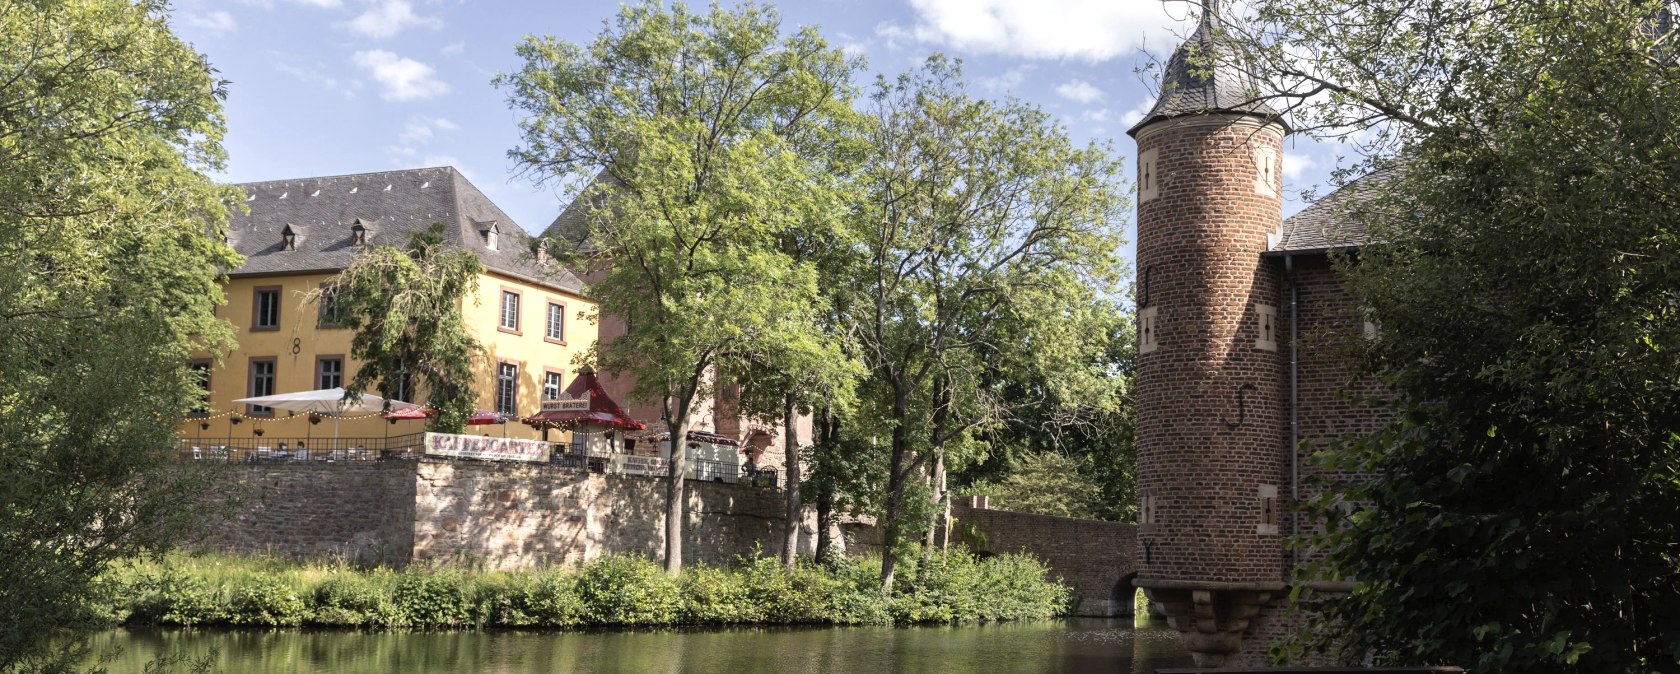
pixel 621 590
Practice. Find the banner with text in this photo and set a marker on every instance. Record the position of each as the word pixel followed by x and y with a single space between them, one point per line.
pixel 481 447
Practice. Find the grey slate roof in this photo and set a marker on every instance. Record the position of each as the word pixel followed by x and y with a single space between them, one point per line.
pixel 572 225
pixel 1322 226
pixel 1203 77
pixel 322 212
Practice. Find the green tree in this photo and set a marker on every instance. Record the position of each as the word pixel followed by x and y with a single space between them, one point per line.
pixel 405 306
pixel 111 243
pixel 1046 483
pixel 988 239
pixel 1524 506
pixel 699 125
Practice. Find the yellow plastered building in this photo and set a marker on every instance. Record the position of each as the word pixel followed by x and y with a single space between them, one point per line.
pixel 299 233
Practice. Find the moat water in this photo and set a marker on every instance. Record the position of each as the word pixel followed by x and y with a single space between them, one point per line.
pixel 1072 645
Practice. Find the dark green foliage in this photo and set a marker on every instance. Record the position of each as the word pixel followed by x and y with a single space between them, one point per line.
pixel 267 601
pixel 546 598
pixel 349 600
pixel 1523 505
pixel 613 590
pixel 432 599
pixel 954 586
pixel 628 590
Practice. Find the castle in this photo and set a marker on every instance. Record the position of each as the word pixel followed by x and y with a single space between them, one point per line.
pixel 1232 386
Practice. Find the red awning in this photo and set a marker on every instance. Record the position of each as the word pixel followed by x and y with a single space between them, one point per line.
pixel 602 408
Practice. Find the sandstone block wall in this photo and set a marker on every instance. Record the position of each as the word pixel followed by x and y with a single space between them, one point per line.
pixel 500 514
pixel 362 512
pixel 515 515
pixel 1094 558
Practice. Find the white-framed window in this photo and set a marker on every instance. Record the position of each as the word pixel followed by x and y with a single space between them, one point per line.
pixel 507 388
pixel 551 386
pixel 330 373
pixel 266 313
pixel 556 322
pixel 262 383
pixel 1146 328
pixel 510 310
pixel 1266 338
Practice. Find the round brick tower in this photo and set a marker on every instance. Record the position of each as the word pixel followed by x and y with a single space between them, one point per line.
pixel 1211 380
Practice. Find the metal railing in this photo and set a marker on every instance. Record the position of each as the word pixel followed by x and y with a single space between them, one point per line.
pixel 407 446
pixel 410 446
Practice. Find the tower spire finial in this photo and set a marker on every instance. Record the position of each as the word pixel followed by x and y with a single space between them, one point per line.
pixel 1210 13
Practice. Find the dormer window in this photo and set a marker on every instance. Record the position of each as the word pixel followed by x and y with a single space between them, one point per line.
pixel 490 231
pixel 358 233
pixel 288 238
pixel 542 253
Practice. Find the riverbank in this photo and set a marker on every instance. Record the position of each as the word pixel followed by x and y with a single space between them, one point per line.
pixel 203 590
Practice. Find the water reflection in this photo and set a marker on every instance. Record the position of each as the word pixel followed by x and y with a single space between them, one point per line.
pixel 1077 645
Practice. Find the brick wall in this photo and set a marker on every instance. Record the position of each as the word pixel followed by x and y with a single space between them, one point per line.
pixel 1094 558
pixel 354 511
pixel 1212 404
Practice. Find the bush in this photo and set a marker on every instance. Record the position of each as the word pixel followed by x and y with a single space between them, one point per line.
pixel 783 596
pixel 954 586
pixel 181 600
pixel 350 600
pixel 628 590
pixel 431 599
pixel 715 596
pixel 542 599
pixel 268 601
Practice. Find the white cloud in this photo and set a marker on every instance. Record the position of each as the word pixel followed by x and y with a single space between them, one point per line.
pixel 387 18
pixel 1093 30
pixel 1297 165
pixel 323 4
pixel 403 79
pixel 215 23
pixel 1137 112
pixel 1080 91
pixel 1010 79
pixel 453 48
pixel 1096 116
pixel 421 129
pixel 894 35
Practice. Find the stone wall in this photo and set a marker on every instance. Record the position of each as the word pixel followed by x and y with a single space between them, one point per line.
pixel 1094 558
pixel 362 512
pixel 513 515
pixel 500 514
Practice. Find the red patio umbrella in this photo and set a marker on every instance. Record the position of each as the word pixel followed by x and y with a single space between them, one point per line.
pixel 478 418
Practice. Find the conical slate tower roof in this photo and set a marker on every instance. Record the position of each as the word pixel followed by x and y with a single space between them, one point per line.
pixel 1204 77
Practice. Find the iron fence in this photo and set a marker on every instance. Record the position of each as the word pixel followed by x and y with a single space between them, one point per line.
pixel 396 447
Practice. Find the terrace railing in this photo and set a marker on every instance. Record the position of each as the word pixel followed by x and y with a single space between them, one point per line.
pixel 407 446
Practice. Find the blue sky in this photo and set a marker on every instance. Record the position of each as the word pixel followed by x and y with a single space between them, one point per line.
pixel 329 87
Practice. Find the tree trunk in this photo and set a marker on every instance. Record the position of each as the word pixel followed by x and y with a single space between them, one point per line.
pixel 895 498
pixel 674 494
pixel 790 537
pixel 936 480
pixel 825 435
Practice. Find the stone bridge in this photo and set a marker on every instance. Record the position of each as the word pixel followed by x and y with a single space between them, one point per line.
pixel 1095 558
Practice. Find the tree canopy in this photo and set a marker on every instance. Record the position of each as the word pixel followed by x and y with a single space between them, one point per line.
pixel 405 305
pixel 111 244
pixel 1523 505
pixel 700 134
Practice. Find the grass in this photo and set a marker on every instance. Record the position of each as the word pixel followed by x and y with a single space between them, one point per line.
pixel 263 592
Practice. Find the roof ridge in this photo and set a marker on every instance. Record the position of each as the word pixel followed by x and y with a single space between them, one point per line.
pixel 444 167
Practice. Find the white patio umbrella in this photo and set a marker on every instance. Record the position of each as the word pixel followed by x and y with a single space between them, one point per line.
pixel 329 402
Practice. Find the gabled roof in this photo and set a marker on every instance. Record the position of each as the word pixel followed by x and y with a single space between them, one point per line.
pixel 1204 77
pixel 602 408
pixel 392 205
pixel 572 225
pixel 1323 226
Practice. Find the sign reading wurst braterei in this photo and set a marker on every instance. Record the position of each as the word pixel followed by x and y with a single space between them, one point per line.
pixel 481 447
pixel 566 404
